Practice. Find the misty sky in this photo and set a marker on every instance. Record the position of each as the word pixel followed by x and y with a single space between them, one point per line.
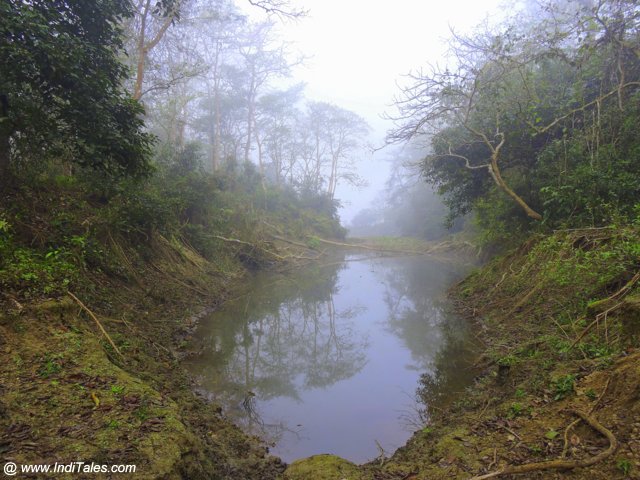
pixel 359 49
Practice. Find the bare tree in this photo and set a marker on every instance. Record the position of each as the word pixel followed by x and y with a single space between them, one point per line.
pixel 150 23
pixel 337 135
pixel 491 87
pixel 217 31
pixel 276 121
pixel 263 61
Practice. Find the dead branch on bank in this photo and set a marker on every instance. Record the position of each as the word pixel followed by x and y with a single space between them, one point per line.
pixel 565 449
pixel 618 295
pixel 248 244
pixel 95 319
pixel 269 252
pixel 562 464
pixel 523 301
pixel 600 316
pixel 369 247
pixel 292 242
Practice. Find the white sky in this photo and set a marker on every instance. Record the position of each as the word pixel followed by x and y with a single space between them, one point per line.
pixel 359 49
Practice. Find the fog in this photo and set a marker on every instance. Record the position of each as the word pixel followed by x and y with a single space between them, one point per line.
pixel 303 90
pixel 357 54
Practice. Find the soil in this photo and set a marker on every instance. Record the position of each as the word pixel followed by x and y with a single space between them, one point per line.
pixel 556 395
pixel 533 376
pixel 67 396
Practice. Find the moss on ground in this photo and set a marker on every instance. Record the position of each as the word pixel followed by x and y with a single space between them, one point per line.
pixel 67 395
pixel 65 392
pixel 324 467
pixel 531 306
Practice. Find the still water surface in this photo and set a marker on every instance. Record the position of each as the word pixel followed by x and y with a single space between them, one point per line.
pixel 328 359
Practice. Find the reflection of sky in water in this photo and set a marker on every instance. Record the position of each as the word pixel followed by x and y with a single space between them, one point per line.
pixel 328 360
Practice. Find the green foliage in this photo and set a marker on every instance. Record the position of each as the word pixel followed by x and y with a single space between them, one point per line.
pixel 313 242
pixel 596 349
pixel 117 389
pixel 516 409
pixel 565 128
pixel 508 360
pixel 499 221
pixel 141 413
pixel 79 223
pixel 535 449
pixel 624 465
pixel 563 386
pixel 551 434
pixel 51 365
pixel 113 424
pixel 587 188
pixel 61 85
pixel 34 272
pixel 584 264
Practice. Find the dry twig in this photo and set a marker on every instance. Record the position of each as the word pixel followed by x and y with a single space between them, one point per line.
pixel 95 319
pixel 562 464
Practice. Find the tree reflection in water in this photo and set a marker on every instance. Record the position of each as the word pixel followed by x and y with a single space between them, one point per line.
pixel 439 341
pixel 334 351
pixel 280 339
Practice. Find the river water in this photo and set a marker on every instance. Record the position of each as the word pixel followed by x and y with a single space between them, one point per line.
pixel 328 359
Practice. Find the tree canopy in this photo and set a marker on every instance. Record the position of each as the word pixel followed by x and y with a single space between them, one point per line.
pixel 532 120
pixel 61 85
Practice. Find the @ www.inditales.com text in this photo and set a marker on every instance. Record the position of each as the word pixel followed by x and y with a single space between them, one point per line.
pixel 12 469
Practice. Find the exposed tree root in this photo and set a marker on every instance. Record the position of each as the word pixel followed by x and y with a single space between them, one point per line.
pixel 599 317
pixel 565 449
pixel 526 298
pixel 603 315
pixel 119 251
pixel 504 275
pixel 173 278
pixel 619 294
pixel 562 464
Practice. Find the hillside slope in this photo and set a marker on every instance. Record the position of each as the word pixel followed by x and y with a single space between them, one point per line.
pixel 97 301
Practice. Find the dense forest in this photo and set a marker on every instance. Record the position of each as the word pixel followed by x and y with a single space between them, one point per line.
pixel 156 154
pixel 214 142
pixel 532 124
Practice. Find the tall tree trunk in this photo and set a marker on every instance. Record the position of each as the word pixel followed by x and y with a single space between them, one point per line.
pixel 259 145
pixel 145 47
pixel 5 134
pixel 216 144
pixel 497 177
pixel 250 114
pixel 181 125
pixel 278 164
pixel 217 141
pixel 247 145
pixel 333 180
pixel 318 166
pixel 260 164
pixel 142 53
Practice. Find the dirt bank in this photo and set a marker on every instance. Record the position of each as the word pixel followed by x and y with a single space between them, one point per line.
pixel 557 390
pixel 71 392
pixel 556 395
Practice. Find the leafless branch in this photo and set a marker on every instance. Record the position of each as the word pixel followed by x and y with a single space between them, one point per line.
pixel 280 8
